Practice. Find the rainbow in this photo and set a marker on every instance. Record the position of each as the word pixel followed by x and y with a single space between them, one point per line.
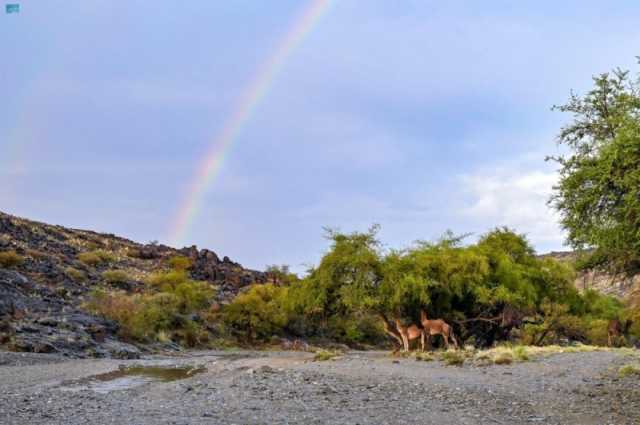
pixel 209 168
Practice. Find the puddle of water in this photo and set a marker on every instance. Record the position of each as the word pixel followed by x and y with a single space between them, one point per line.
pixel 134 376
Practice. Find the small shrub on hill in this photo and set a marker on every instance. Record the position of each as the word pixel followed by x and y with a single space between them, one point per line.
pixel 116 277
pixel 10 259
pixel 96 258
pixel 179 262
pixel 167 280
pixel 75 274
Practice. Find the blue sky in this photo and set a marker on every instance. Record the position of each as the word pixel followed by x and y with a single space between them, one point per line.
pixel 421 116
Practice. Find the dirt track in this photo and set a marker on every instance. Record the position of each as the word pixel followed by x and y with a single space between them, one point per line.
pixel 359 388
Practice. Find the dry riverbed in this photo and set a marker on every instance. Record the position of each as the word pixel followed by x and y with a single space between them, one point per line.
pixel 289 387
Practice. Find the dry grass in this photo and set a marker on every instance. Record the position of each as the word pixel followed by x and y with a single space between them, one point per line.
pixel 503 358
pixel 522 353
pixel 324 355
pixel 96 258
pixel 9 259
pixel 629 370
pixel 75 274
pixel 424 357
pixel 453 357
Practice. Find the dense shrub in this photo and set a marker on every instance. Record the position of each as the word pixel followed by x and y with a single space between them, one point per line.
pixel 116 277
pixel 9 259
pixel 167 280
pixel 179 262
pixel 96 258
pixel 168 310
pixel 75 274
pixel 256 314
pixel 485 289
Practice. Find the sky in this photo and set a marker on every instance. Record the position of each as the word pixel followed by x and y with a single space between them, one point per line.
pixel 421 116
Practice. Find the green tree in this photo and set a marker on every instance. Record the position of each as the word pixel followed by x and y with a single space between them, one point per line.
pixel 257 314
pixel 598 195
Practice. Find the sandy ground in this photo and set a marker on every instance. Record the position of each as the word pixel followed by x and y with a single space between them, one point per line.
pixel 358 388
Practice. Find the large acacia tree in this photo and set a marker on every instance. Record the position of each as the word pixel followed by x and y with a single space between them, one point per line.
pixel 598 194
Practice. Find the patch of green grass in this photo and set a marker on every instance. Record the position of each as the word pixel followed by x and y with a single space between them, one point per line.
pixel 629 370
pixel 520 353
pixel 324 355
pixel 453 358
pixel 9 259
pixel 424 357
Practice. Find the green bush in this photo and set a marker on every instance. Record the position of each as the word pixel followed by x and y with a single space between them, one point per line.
pixel 167 280
pixel 596 331
pixel 75 274
pixel 96 258
pixel 256 314
pixel 116 277
pixel 10 259
pixel 160 312
pixel 179 262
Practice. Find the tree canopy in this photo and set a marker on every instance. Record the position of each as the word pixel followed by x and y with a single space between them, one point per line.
pixel 485 289
pixel 598 194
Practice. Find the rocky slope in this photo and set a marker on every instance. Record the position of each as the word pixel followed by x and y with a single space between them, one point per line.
pixel 42 290
pixel 619 285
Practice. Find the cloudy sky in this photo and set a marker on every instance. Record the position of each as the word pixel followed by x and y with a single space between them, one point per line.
pixel 421 116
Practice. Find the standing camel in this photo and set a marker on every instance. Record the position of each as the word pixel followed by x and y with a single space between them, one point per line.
pixel 409 333
pixel 437 327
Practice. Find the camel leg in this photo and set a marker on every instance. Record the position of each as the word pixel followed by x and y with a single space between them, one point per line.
pixel 446 341
pixel 609 340
pixel 422 341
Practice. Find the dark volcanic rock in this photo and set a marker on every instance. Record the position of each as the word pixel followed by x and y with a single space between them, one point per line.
pixel 229 275
pixel 35 319
pixel 41 300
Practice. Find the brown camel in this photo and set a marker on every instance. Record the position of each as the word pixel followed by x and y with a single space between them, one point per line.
pixel 616 329
pixel 409 333
pixel 437 327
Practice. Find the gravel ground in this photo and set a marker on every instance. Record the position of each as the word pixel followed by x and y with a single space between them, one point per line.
pixel 358 388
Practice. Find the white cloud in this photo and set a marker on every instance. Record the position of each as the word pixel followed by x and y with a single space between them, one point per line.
pixel 516 198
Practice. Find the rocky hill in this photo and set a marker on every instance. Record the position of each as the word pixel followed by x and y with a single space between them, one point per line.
pixel 47 271
pixel 619 285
